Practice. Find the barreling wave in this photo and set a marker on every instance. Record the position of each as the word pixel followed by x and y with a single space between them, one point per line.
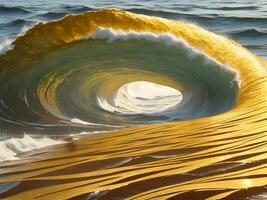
pixel 67 86
pixel 107 70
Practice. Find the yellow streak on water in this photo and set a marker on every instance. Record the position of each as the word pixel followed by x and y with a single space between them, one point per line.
pixel 223 153
pixel 47 94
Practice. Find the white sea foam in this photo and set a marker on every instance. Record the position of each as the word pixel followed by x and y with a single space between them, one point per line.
pixel 92 132
pixel 5 45
pixel 77 136
pixel 166 39
pixel 11 147
pixel 78 121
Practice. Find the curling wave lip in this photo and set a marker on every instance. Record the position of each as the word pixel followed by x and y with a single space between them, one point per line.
pixel 185 151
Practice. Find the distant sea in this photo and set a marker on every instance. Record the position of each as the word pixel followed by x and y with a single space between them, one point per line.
pixel 241 20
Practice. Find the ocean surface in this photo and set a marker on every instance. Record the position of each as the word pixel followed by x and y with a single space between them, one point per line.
pixel 133 99
pixel 241 20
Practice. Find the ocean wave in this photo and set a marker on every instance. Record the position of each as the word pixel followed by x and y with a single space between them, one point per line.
pixel 13 9
pixel 10 148
pixel 166 13
pixel 253 32
pixel 166 39
pixel 51 15
pixel 76 8
pixel 125 100
pixel 60 69
pixel 97 92
pixel 61 11
pixel 195 17
pixel 231 8
pixel 237 8
pixel 5 45
pixel 78 121
pixel 19 23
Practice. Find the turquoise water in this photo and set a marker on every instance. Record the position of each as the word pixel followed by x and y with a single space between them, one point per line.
pixel 77 107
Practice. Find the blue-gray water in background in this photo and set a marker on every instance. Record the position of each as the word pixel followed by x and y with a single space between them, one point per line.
pixel 245 21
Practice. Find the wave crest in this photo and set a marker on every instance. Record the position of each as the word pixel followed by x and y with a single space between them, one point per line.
pixel 221 156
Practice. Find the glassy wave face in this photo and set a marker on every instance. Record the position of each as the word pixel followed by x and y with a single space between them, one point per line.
pixel 175 111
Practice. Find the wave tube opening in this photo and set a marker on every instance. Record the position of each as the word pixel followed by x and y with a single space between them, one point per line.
pixel 88 84
pixel 142 97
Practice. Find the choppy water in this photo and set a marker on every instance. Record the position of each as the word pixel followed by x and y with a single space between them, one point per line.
pixel 242 20
pixel 189 105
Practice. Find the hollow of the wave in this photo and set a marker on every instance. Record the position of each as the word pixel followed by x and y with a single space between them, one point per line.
pixel 143 97
pixel 99 84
